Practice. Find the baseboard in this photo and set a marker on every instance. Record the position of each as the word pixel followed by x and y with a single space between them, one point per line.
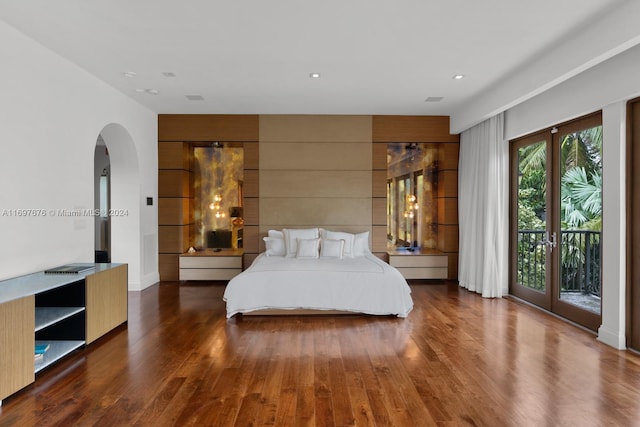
pixel 612 338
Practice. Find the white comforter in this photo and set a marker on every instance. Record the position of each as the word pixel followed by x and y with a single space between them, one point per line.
pixel 362 284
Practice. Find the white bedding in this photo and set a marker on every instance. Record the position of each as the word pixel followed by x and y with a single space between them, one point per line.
pixel 364 284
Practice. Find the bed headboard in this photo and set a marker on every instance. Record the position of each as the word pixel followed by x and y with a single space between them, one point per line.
pixel 315 171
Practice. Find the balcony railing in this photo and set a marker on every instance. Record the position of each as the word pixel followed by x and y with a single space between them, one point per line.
pixel 580 267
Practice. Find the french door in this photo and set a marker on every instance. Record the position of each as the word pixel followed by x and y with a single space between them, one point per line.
pixel 556 219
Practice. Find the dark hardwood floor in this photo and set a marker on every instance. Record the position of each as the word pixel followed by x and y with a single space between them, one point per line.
pixel 458 359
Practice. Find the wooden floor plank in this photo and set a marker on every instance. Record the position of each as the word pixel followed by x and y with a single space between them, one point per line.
pixel 457 359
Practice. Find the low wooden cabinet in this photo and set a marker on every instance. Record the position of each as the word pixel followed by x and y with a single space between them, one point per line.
pixel 64 312
pixel 16 345
pixel 420 264
pixel 210 265
pixel 106 301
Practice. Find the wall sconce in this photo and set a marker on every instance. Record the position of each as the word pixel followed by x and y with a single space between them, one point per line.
pixel 412 205
pixel 216 205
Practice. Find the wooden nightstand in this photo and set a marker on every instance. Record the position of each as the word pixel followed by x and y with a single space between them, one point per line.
pixel 210 265
pixel 423 264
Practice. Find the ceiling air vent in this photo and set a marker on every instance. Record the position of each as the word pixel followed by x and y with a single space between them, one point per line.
pixel 434 99
pixel 194 97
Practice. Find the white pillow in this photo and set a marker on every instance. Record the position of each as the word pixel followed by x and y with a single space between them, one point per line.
pixel 276 233
pixel 274 246
pixel 307 248
pixel 331 248
pixel 361 244
pixel 339 235
pixel 291 236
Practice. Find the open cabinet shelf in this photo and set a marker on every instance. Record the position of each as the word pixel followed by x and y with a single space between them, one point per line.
pixel 65 311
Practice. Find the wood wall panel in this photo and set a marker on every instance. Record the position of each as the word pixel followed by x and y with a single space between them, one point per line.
pixel 412 129
pixel 379 238
pixel 315 128
pixel 174 183
pixel 354 228
pixel 169 266
pixel 449 156
pixel 448 231
pixel 300 156
pixel 251 153
pixel 174 211
pixel 453 266
pixel 194 130
pixel 173 238
pixel 379 184
pixel 306 155
pixel 447 183
pixel 379 213
pixel 379 200
pixel 315 184
pixel 379 156
pixel 251 186
pixel 320 212
pixel 251 211
pixel 315 171
pixel 175 205
pixel 251 239
pixel 207 127
pixel 251 202
pixel 173 155
pixel 248 258
pixel 448 211
pixel 448 238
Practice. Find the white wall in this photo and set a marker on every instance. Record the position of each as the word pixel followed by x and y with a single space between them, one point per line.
pixel 609 35
pixel 51 113
pixel 605 87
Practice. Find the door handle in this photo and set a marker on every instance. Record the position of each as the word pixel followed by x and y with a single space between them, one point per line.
pixel 549 243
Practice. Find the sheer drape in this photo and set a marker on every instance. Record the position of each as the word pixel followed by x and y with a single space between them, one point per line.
pixel 483 178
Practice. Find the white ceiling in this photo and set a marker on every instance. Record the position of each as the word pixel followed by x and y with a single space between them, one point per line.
pixel 374 56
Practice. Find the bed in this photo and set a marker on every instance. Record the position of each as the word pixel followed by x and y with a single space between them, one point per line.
pixel 318 271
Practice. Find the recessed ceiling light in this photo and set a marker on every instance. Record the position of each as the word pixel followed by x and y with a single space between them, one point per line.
pixel 129 74
pixel 458 77
pixel 434 99
pixel 314 75
pixel 149 91
pixel 168 74
pixel 195 97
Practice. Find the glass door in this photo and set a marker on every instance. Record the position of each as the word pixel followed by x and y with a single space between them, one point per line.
pixel 579 221
pixel 556 217
pixel 531 236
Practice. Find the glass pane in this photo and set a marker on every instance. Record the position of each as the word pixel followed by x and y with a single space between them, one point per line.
pixel 532 178
pixel 412 194
pixel 401 223
pixel 104 196
pixel 391 201
pixel 217 184
pixel 581 218
pixel 420 197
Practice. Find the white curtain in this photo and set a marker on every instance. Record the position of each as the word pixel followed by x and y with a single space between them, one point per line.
pixel 483 206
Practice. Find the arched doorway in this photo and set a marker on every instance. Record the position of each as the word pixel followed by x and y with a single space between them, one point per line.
pixel 124 200
pixel 102 201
